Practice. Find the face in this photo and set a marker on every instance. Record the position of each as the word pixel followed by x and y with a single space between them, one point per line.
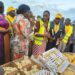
pixel 12 13
pixel 57 21
pixel 27 14
pixel 30 14
pixel 67 22
pixel 46 16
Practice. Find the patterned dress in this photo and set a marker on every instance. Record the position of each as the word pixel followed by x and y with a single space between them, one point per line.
pixel 21 39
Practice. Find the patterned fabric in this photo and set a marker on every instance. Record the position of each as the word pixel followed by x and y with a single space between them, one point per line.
pixel 39 49
pixel 21 40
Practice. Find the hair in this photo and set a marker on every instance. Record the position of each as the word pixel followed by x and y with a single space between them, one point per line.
pixel 38 16
pixel 1 7
pixel 73 23
pixel 23 9
pixel 68 19
pixel 47 12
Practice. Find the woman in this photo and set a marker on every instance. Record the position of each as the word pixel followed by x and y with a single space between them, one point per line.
pixel 22 31
pixel 3 31
pixel 41 34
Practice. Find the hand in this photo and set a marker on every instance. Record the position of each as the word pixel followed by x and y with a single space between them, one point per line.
pixel 47 35
pixel 39 35
pixel 35 34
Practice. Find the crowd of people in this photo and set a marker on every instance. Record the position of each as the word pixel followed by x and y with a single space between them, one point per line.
pixel 28 36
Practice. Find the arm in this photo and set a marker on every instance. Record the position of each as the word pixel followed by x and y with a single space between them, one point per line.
pixel 3 30
pixel 37 30
pixel 45 35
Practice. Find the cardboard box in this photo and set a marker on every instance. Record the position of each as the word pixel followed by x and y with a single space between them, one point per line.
pixel 20 70
pixel 69 71
pixel 19 64
pixel 10 64
pixel 25 65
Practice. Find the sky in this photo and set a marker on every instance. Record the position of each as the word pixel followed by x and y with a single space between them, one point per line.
pixel 65 7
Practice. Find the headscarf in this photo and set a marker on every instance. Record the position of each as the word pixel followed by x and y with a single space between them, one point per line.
pixel 10 8
pixel 59 16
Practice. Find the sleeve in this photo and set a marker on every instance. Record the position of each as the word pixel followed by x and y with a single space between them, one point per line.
pixel 3 23
pixel 24 27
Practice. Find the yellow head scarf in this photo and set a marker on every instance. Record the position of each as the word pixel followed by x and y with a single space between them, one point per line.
pixel 10 8
pixel 58 15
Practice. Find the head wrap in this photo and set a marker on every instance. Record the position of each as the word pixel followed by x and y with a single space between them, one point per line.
pixel 59 16
pixel 10 8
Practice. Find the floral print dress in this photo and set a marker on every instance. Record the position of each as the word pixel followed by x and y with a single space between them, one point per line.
pixel 21 39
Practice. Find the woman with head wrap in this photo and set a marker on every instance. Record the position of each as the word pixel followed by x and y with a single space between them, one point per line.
pixel 3 30
pixel 22 31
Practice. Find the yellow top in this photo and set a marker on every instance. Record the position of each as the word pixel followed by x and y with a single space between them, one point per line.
pixel 38 40
pixel 10 21
pixel 56 28
pixel 67 29
pixel 68 33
